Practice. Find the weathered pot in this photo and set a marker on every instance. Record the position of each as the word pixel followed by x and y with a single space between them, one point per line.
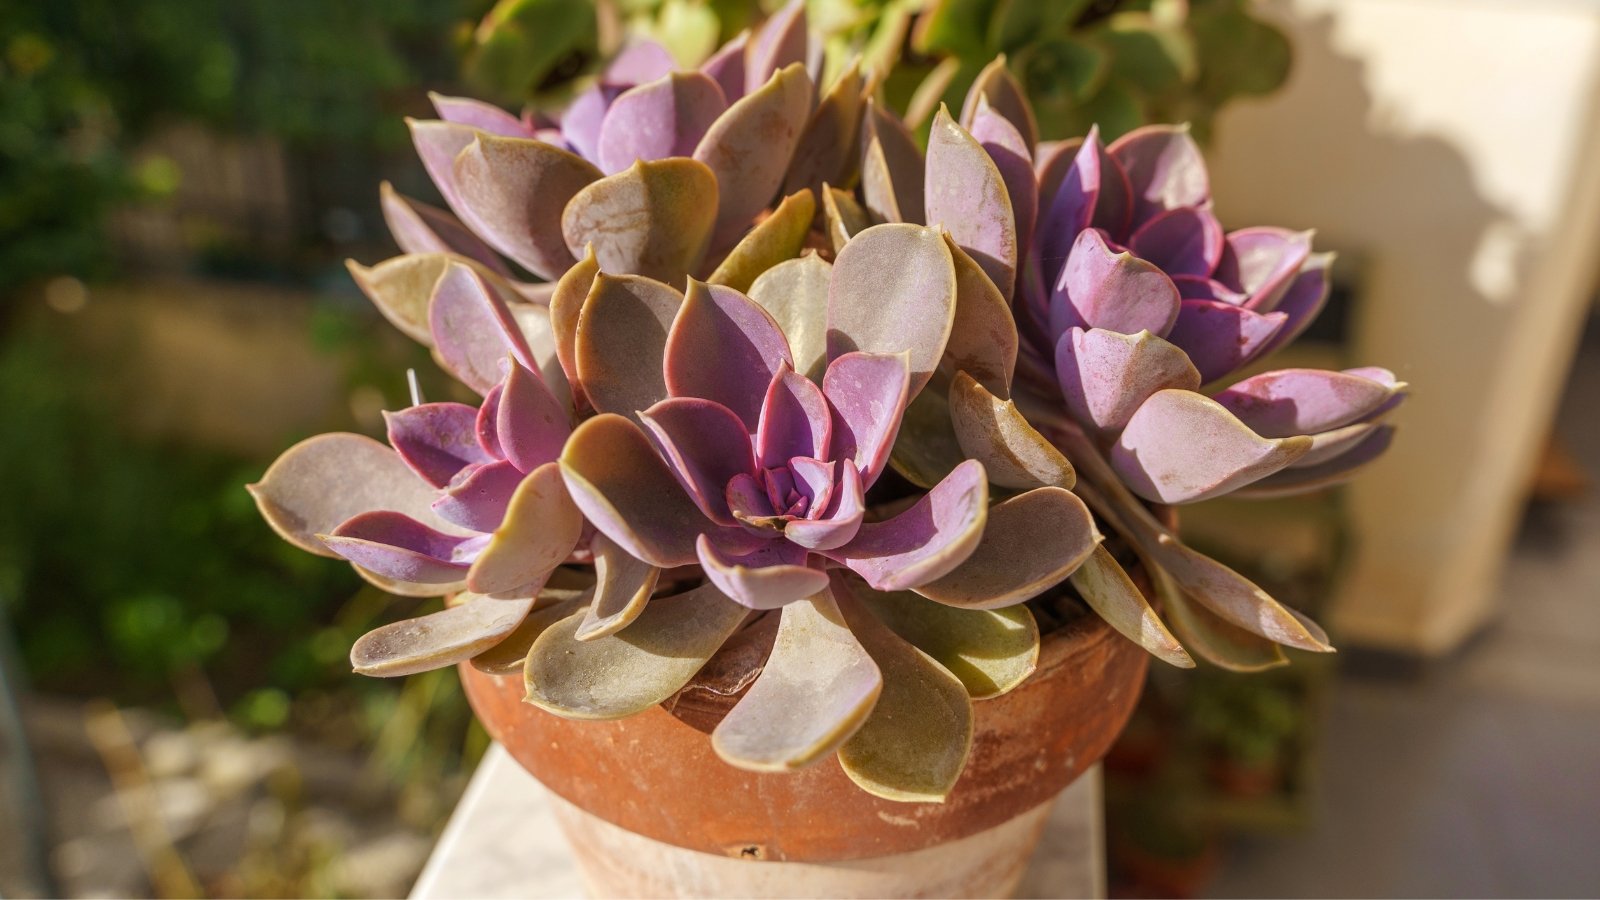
pixel 637 788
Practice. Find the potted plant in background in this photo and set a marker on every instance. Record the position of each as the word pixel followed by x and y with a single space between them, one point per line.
pixel 812 439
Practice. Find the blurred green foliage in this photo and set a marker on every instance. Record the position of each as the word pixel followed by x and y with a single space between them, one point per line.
pixel 82 82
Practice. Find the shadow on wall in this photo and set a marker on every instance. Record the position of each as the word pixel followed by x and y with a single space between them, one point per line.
pixel 1353 148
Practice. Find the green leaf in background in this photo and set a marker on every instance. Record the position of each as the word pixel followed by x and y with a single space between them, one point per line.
pixel 1239 55
pixel 523 45
pixel 1018 23
pixel 1146 55
pixel 956 27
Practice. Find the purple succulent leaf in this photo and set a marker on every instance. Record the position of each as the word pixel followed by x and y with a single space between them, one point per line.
pixel 868 394
pixel 516 191
pixel 1009 151
pixel 750 504
pixel 621 342
pixel 420 228
pixel 531 424
pixel 994 432
pixel 437 640
pixel 325 480
pixel 725 347
pixel 1180 447
pixel 1302 300
pixel 486 425
pixel 1200 287
pixel 1164 167
pixel 622 587
pixel 653 219
pixel 1051 162
pixel 566 308
pixel 779 43
pixel 795 420
pixel 996 88
pixel 816 689
pixel 473 330
pixel 927 541
pixel 1182 241
pixel 1117 291
pixel 893 289
pixel 482 116
pixel 705 445
pixel 395 545
pixel 438 144
pixel 640 61
pixel 538 329
pixel 658 119
pixel 1031 542
pixel 540 529
pixel 839 521
pixel 983 337
pixel 1261 263
pixel 1071 206
pixel 726 66
pixel 478 496
pixel 1106 375
pixel 1331 472
pixel 750 146
pixel 814 481
pixel 436 440
pixel 580 123
pixel 627 491
pixel 771 576
pixel 892 169
pixel 829 150
pixel 1220 337
pixel 795 293
pixel 965 194
pixel 1307 401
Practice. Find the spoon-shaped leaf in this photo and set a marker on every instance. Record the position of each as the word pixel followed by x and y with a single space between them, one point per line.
pixel 724 347
pixel 1030 543
pixel 438 639
pixel 1306 401
pixel 816 689
pixel 1219 337
pixel 749 148
pixel 990 650
pixel 965 194
pixel 322 481
pixel 1009 151
pixel 1106 375
pixel 624 488
pixel 843 217
pixel 516 189
pixel 1214 639
pixel 400 289
pixel 914 744
pixel 926 541
pixel 891 168
pixel 420 228
pixel 622 341
pixel 622 587
pixel 983 339
pixel 510 655
pixel 827 151
pixel 566 307
pixel 652 219
pixel 1181 447
pixel 628 672
pixel 1298 481
pixel 1164 169
pixel 795 294
pixel 661 118
pixel 993 432
pixel 540 529
pixel 1117 291
pixel 997 88
pixel 1115 598
pixel 779 237
pixel 473 329
pixel 893 288
pixel 773 575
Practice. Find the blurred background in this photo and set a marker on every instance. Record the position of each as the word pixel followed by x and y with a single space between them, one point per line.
pixel 182 180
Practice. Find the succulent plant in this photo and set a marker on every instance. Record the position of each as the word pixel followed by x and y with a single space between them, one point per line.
pixel 654 475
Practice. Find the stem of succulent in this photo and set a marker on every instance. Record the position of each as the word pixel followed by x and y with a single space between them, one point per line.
pixel 414 386
pixel 1221 590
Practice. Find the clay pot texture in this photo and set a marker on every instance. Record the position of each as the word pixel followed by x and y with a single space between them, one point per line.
pixel 655 775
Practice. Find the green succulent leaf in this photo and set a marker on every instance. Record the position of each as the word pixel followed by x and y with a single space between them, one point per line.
pixel 440 639
pixel 990 650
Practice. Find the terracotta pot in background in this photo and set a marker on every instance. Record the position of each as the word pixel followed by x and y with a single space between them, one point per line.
pixel 637 790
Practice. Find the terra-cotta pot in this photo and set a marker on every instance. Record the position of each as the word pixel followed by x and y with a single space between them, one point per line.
pixel 651 810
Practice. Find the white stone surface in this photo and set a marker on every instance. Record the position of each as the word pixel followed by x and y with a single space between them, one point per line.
pixel 503 842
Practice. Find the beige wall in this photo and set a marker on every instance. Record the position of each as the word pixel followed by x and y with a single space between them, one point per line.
pixel 1451 150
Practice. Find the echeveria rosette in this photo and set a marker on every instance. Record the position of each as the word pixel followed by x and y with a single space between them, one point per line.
pixel 466 499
